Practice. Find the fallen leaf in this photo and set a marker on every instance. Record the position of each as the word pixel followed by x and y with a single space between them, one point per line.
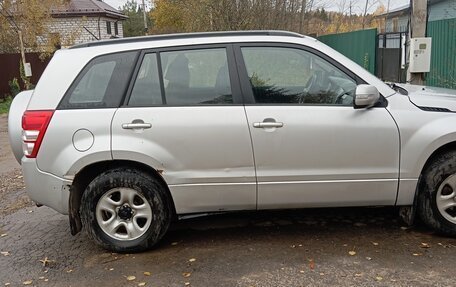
pixel 5 253
pixel 46 280
pixel 69 271
pixel 187 283
pixel 46 261
pixel 322 274
pixel 142 284
pixel 147 273
pixel 186 274
pixel 7 284
pixel 311 264
pixel 425 245
pixel 368 258
pixel 131 278
pixel 358 274
pixel 302 271
pixel 375 243
pixel 41 277
pixel 28 282
pixel 352 253
pixel 378 278
pixel 111 269
pixel 3 235
pixel 417 254
pixel 192 260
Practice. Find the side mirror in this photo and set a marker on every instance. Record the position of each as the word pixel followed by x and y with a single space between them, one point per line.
pixel 366 96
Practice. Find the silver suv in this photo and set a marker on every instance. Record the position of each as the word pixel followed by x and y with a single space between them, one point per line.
pixel 126 135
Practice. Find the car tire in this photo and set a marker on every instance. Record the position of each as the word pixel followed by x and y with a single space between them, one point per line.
pixel 125 210
pixel 437 194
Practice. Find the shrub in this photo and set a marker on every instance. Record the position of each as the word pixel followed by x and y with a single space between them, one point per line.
pixel 14 87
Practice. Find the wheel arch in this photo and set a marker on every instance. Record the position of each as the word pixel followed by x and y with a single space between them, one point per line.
pixel 441 150
pixel 408 213
pixel 87 174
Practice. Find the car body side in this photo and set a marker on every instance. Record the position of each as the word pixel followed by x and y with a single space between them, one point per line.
pixel 421 133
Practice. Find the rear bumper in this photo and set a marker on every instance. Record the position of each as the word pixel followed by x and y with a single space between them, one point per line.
pixel 45 188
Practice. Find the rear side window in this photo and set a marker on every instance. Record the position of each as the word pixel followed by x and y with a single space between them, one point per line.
pixel 102 83
pixel 146 91
pixel 198 77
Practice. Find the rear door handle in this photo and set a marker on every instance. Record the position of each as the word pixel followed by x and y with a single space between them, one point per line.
pixel 136 125
pixel 266 125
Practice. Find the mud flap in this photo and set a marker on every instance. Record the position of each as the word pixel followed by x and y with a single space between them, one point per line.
pixel 408 213
pixel 73 210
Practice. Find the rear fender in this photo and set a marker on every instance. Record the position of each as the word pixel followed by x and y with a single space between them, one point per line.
pixel 17 109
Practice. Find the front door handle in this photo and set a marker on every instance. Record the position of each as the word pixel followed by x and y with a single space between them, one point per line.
pixel 268 125
pixel 136 125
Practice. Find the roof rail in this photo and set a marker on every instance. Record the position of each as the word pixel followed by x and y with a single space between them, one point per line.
pixel 187 36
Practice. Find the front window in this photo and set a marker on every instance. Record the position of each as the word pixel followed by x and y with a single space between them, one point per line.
pixel 294 76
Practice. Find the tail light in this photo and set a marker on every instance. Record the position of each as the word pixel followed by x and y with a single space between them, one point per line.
pixel 34 125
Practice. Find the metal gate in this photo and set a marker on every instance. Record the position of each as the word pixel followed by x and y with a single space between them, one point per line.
pixel 391 57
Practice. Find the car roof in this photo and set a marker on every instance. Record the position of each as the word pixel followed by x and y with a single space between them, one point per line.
pixel 188 36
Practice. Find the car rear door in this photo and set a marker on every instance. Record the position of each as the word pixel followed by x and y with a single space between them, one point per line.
pixel 311 147
pixel 184 116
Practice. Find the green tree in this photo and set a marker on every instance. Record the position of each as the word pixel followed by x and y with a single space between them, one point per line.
pixel 31 18
pixel 134 25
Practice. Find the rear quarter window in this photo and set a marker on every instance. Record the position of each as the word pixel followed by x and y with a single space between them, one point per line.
pixel 102 83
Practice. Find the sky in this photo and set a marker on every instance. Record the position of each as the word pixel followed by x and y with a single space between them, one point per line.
pixel 332 5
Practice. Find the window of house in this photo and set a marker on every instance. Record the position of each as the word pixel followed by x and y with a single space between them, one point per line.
pixel 108 27
pixel 116 28
pixel 395 24
pixel 294 76
pixel 196 77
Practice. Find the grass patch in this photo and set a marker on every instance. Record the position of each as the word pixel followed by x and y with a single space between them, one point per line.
pixel 5 105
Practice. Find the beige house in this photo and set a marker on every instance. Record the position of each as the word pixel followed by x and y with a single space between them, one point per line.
pixel 81 21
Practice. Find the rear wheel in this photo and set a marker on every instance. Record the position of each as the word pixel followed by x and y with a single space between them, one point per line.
pixel 437 194
pixel 125 210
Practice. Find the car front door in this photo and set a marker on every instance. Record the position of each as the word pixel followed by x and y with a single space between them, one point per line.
pixel 311 147
pixel 183 116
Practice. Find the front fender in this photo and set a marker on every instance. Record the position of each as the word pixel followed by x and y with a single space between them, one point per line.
pixel 416 151
pixel 419 148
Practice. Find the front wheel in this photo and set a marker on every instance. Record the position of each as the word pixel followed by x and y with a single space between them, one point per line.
pixel 437 194
pixel 125 210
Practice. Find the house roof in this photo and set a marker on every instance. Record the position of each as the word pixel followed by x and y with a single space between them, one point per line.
pixel 87 8
pixel 404 9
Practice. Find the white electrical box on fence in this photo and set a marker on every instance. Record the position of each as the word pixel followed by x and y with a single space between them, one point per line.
pixel 420 55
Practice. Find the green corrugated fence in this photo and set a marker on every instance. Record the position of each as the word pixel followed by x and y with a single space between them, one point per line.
pixel 359 46
pixel 443 56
